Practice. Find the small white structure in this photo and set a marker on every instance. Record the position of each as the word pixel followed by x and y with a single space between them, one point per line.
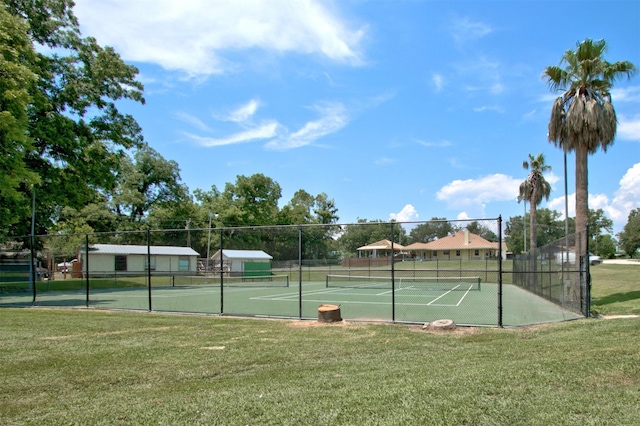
pixel 112 259
pixel 243 262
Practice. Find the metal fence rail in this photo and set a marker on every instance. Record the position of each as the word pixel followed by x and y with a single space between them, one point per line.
pixel 281 271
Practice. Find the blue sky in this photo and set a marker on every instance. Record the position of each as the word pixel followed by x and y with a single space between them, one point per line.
pixel 395 109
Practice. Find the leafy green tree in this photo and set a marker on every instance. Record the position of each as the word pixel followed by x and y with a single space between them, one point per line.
pixel 483 231
pixel 437 227
pixel 366 232
pixel 77 134
pixel 598 222
pixel 630 235
pixel 145 182
pixel 251 201
pixel 17 81
pixel 583 118
pixel 606 246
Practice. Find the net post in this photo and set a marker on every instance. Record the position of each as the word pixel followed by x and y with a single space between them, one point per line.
pixel 86 274
pixel 149 265
pixel 500 318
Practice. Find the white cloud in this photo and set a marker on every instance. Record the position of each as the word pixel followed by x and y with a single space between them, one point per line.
pixel 384 161
pixel 266 130
pixel 438 82
pixel 629 128
pixel 437 144
pixel 489 108
pixel 243 113
pixel 194 35
pixel 627 197
pixel 407 214
pixel 194 121
pixel 475 193
pixel 333 117
pixel 464 30
pixel 625 94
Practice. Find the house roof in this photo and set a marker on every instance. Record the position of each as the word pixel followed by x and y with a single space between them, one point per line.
pixel 460 240
pixel 382 245
pixel 242 254
pixel 139 249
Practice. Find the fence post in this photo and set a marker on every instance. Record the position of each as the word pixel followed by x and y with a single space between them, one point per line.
pixel 86 273
pixel 221 276
pixel 393 279
pixel 500 272
pixel 300 271
pixel 149 265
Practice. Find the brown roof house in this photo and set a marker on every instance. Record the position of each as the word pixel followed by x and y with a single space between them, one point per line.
pixel 463 245
pixel 380 248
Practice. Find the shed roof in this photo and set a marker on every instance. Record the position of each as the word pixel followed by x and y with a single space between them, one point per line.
pixel 140 249
pixel 382 245
pixel 242 255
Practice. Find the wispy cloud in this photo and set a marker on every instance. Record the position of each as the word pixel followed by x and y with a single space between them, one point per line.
pixel 464 30
pixel 629 128
pixel 489 108
pixel 434 144
pixel 266 130
pixel 333 117
pixel 193 36
pixel 243 113
pixel 384 161
pixel 438 82
pixel 194 121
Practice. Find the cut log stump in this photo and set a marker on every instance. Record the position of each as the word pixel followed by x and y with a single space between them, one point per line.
pixel 329 313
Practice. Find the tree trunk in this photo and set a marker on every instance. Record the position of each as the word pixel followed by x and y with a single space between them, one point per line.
pixel 533 244
pixel 582 206
pixel 329 313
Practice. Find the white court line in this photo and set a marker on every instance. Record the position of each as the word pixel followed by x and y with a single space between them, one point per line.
pixel 440 297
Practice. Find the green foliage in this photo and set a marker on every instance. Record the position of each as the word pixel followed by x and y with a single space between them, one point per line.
pixel 437 227
pixel 366 232
pixel 630 235
pixel 76 132
pixel 17 81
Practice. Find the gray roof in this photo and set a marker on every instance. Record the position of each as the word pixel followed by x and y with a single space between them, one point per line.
pixel 132 249
pixel 242 254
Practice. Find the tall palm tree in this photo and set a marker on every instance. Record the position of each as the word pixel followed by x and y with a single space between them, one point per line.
pixel 533 189
pixel 583 118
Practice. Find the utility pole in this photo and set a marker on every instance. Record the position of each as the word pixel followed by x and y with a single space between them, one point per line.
pixel 188 232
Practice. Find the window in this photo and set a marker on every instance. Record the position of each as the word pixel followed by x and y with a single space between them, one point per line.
pixel 446 252
pixel 183 263
pixel 435 253
pixel 458 253
pixel 120 262
pixel 477 252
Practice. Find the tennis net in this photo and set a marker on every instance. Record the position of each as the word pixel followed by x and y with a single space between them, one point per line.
pixel 405 283
pixel 233 281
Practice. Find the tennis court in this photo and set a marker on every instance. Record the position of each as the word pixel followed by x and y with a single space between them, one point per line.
pixel 466 301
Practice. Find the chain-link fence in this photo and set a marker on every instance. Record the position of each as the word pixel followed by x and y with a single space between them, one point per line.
pixel 400 272
pixel 555 273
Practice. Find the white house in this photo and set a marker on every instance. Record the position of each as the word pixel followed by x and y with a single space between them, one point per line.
pixel 243 262
pixel 112 259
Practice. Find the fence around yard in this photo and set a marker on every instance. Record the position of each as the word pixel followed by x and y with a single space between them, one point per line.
pixel 288 271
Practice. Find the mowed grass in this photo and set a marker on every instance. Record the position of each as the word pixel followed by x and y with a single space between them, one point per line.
pixel 615 288
pixel 97 367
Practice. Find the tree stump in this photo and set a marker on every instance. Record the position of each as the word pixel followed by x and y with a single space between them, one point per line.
pixel 443 324
pixel 329 313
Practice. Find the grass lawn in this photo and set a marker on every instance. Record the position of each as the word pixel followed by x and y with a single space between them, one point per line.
pixel 615 289
pixel 77 366
pixel 97 367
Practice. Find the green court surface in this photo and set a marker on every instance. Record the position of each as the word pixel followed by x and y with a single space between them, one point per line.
pixel 301 301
